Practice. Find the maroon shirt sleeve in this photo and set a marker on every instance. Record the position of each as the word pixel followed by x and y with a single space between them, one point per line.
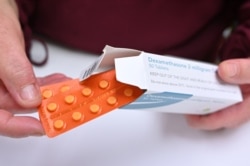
pixel 238 43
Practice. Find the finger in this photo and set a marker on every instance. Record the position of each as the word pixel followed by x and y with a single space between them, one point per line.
pixel 51 79
pixel 9 104
pixel 18 126
pixel 227 118
pixel 16 72
pixel 236 71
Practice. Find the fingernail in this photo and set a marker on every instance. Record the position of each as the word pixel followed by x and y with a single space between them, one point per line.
pixel 231 69
pixel 29 92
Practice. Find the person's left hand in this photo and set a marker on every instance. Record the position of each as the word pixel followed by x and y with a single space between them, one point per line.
pixel 15 126
pixel 235 71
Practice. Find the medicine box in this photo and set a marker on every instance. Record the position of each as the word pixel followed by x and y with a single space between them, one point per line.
pixel 172 84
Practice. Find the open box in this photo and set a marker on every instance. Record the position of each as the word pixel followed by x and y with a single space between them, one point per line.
pixel 173 85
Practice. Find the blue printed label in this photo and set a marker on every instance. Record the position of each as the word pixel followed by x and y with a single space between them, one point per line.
pixel 154 100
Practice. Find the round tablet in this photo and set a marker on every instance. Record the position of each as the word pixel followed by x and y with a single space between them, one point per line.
pixel 103 84
pixel 111 100
pixel 86 92
pixel 76 116
pixel 51 107
pixel 47 94
pixel 128 92
pixel 58 124
pixel 69 99
pixel 94 108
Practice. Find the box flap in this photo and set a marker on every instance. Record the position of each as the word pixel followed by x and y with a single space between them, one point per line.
pixel 106 60
pixel 130 70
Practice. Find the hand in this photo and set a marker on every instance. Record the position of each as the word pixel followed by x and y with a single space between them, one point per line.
pixel 19 88
pixel 22 126
pixel 235 71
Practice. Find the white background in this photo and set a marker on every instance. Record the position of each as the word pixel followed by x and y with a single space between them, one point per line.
pixel 124 138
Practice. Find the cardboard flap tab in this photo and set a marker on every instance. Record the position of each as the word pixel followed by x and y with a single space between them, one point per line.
pixel 106 60
pixel 130 70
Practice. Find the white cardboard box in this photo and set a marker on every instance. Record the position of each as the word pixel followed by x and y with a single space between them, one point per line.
pixel 173 85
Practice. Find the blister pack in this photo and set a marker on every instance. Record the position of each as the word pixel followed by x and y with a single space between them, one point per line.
pixel 69 104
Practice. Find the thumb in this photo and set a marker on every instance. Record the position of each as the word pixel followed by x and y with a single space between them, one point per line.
pixel 235 71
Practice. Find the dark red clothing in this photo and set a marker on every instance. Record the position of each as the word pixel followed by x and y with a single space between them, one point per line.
pixel 190 29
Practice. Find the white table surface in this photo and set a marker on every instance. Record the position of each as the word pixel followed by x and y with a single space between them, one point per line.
pixel 125 138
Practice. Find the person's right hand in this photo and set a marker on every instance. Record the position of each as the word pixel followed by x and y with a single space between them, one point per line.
pixel 19 88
